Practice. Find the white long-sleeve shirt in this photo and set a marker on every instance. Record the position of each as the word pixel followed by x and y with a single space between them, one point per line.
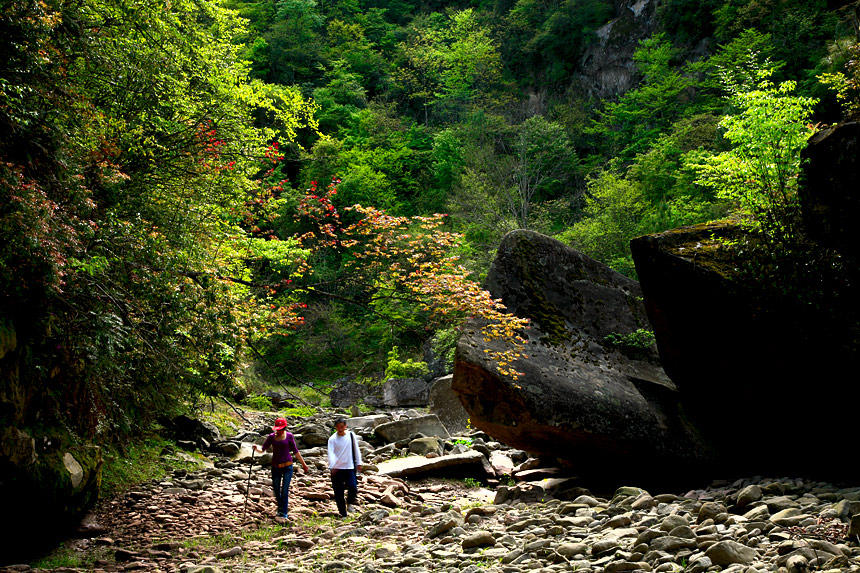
pixel 341 452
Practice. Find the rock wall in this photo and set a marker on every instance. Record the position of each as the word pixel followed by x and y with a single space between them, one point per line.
pixel 829 193
pixel 45 475
pixel 606 69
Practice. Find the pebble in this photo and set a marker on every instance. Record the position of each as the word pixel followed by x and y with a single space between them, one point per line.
pixel 226 523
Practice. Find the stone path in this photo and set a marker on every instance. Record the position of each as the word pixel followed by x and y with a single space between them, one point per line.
pixel 203 522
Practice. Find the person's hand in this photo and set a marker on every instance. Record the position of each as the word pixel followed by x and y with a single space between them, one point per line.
pixel 358 469
pixel 306 468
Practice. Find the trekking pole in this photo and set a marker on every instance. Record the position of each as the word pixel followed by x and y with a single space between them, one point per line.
pixel 248 487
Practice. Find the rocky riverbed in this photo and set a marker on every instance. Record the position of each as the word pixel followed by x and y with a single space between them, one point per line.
pixel 221 518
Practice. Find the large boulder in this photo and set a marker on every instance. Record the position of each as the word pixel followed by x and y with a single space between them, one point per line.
pixel 48 478
pixel 348 392
pixel 583 394
pixel 188 428
pixel 404 392
pixel 408 427
pixel 445 404
pixel 829 198
pixel 751 363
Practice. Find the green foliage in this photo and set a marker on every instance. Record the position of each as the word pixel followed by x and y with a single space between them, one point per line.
pixel 614 207
pixel 300 411
pixel 632 124
pixel 514 177
pixel 120 206
pixel 448 66
pixel 639 339
pixel 261 403
pixel 544 40
pixel 798 30
pixel 759 174
pixel 395 368
pixel 471 483
pixel 846 82
pixel 70 557
pixel 138 462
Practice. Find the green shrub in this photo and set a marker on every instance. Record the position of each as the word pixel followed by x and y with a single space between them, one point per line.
pixel 639 339
pixel 140 462
pixel 261 403
pixel 408 369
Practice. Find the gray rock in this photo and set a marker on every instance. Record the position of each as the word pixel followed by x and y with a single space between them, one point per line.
pixel 671 544
pixel 670 522
pixel 445 404
pixel 788 517
pixel 729 552
pixel 404 428
pixel 348 392
pixel 314 434
pixel 710 510
pixel 570 550
pixel 479 539
pixel 398 392
pixel 778 503
pixel 369 422
pixel 748 495
pixel 611 405
pixel 605 546
pixel 424 446
pixel 232 552
pixel 757 513
pixel 469 464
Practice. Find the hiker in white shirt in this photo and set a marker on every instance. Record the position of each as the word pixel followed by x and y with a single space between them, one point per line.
pixel 344 460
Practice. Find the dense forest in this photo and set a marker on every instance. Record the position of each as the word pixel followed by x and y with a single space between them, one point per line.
pixel 198 194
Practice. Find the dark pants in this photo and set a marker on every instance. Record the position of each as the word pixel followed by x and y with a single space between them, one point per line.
pixel 344 480
pixel 281 478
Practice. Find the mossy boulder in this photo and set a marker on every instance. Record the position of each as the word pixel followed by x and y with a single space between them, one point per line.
pixel 829 194
pixel 580 397
pixel 48 484
pixel 753 348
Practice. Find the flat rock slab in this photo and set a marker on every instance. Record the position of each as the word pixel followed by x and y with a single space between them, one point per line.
pixel 370 421
pixel 470 463
pixel 407 427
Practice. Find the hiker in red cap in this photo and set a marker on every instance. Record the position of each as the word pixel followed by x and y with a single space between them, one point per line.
pixel 283 446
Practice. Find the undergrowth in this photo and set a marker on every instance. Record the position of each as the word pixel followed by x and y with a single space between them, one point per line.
pixel 140 461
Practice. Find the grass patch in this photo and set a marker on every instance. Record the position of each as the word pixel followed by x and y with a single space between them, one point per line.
pixel 312 396
pixel 471 483
pixel 259 403
pixel 302 411
pixel 71 558
pixel 140 462
pixel 225 420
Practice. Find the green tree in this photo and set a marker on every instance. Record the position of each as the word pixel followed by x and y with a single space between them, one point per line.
pixel 612 215
pixel 508 177
pixel 633 123
pixel 759 174
pixel 449 66
pixel 128 153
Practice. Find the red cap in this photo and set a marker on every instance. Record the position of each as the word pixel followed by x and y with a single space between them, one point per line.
pixel 280 424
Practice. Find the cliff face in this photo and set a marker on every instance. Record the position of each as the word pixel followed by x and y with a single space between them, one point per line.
pixel 607 69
